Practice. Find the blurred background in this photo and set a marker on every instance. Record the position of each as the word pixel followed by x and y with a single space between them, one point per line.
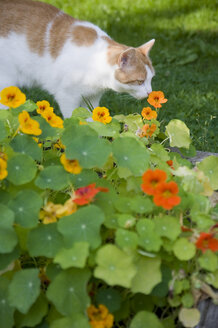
pixel 184 56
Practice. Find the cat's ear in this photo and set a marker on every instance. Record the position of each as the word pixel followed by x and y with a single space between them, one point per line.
pixel 126 58
pixel 145 48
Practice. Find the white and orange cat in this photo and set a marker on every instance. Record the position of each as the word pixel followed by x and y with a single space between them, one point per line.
pixel 71 59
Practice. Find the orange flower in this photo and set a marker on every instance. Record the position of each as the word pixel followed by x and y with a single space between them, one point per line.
pixel 85 195
pixel 147 130
pixel 207 241
pixel 151 179
pixel 166 195
pixel 101 114
pixel 12 97
pixel 70 165
pixel 28 125
pixel 156 98
pixel 100 317
pixel 54 120
pixel 148 114
pixel 43 106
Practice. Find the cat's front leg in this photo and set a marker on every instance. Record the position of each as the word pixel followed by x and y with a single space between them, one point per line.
pixel 67 103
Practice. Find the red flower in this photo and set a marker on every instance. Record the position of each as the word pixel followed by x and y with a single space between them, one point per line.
pixel 85 195
pixel 207 241
pixel 170 163
pixel 166 195
pixel 151 179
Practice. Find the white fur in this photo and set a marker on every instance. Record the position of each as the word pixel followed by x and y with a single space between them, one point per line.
pixel 77 71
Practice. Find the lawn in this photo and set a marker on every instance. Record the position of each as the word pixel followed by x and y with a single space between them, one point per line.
pixel 184 55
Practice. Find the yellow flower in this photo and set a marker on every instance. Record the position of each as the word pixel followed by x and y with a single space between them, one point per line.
pixel 12 97
pixel 101 114
pixel 54 120
pixel 43 106
pixel 52 212
pixel 58 145
pixel 3 169
pixel 28 125
pixel 100 317
pixel 70 165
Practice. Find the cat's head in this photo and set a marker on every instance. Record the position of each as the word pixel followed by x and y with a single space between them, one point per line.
pixel 134 71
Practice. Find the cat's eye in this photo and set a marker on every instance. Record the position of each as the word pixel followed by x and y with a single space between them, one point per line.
pixel 136 82
pixel 140 82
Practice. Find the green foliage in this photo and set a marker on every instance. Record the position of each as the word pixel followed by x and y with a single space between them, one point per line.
pixel 69 240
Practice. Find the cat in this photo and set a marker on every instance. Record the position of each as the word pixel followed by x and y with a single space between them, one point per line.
pixel 69 58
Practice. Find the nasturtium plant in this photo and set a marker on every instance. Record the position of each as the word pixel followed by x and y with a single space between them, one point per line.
pixel 101 223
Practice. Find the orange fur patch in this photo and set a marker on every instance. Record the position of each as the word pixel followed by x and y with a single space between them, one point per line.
pixel 15 16
pixel 84 36
pixel 61 29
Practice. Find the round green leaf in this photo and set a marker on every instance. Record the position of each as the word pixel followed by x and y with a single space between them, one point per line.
pixel 189 317
pixel 47 130
pixel 126 220
pixel 178 133
pixel 25 144
pixel 73 257
pixel 148 275
pixel 106 130
pixel 187 300
pixel 115 267
pixel 183 249
pixel 141 204
pixel 3 131
pixel 126 239
pixel 21 169
pixel 8 237
pixel 24 289
pixel 68 291
pixel 28 106
pixel 6 311
pixel 7 258
pixel 44 240
pixel 35 314
pixel 76 321
pixel 52 177
pixel 209 166
pixel 90 151
pixel 148 237
pixel 110 297
pixel 82 226
pixel 208 261
pixel 130 153
pixel 167 226
pixel 26 206
pixel 145 319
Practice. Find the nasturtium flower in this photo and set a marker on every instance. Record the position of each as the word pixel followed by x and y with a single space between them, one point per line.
pixel 156 98
pixel 207 241
pixel 52 212
pixel 43 106
pixel 12 97
pixel 85 195
pixel 151 179
pixel 54 120
pixel 3 169
pixel 166 195
pixel 148 114
pixel 58 145
pixel 100 317
pixel 101 114
pixel 70 165
pixel 148 130
pixel 28 125
pixel 170 163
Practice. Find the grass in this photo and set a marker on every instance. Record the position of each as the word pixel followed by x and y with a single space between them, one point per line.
pixel 184 55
